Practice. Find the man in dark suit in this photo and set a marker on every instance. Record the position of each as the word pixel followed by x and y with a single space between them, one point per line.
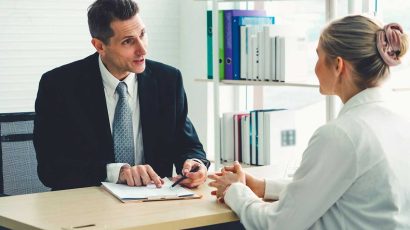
pixel 76 134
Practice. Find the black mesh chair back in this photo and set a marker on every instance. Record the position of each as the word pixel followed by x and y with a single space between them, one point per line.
pixel 18 162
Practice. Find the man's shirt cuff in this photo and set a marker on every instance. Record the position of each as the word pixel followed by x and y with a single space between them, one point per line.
pixel 113 171
pixel 199 161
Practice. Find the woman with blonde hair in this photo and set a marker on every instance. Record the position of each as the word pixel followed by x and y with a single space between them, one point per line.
pixel 355 171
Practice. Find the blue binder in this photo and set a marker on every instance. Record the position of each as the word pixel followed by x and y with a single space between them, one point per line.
pixel 237 22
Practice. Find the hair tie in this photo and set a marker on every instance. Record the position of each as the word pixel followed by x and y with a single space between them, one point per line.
pixel 388 43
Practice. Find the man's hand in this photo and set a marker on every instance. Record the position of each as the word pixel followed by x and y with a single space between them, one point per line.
pixel 194 179
pixel 139 175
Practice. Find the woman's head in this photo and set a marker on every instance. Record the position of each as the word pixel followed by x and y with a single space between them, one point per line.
pixel 368 48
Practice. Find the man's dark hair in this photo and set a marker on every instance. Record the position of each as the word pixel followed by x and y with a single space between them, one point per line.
pixel 102 12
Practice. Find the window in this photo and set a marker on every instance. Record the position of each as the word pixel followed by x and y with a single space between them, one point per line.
pixel 397 11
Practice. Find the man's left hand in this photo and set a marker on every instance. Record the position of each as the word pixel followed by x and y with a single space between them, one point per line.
pixel 194 179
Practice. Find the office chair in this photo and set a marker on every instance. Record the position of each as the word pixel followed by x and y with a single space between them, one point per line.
pixel 18 162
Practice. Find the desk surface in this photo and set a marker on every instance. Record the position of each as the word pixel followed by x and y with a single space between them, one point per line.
pixel 68 209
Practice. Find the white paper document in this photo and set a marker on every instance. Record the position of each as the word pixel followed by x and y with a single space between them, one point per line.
pixel 149 192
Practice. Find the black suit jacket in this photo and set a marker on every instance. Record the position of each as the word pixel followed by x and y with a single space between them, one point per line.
pixel 72 135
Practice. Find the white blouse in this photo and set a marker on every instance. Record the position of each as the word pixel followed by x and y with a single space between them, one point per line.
pixel 354 174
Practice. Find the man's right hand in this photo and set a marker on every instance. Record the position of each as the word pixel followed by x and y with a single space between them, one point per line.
pixel 139 175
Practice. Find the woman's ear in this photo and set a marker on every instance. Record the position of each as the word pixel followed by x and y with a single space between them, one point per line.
pixel 339 66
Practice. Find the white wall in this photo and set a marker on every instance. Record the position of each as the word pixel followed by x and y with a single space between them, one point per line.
pixel 162 21
pixel 36 36
pixel 194 63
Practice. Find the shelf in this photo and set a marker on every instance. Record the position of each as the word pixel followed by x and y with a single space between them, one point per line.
pixel 222 164
pixel 236 93
pixel 396 89
pixel 260 83
pixel 253 0
pixel 242 164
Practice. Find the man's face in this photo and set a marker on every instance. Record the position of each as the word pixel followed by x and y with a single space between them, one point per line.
pixel 126 50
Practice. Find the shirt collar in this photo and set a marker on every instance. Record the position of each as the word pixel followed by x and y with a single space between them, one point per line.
pixel 367 96
pixel 110 82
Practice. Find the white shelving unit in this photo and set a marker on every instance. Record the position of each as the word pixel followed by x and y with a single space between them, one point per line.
pixel 330 9
pixel 260 83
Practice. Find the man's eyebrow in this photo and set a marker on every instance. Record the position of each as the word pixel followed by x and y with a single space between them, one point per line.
pixel 128 36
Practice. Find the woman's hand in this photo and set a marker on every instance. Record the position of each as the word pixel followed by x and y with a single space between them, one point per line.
pixel 227 176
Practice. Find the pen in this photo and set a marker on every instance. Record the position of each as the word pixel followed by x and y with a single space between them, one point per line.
pixel 193 169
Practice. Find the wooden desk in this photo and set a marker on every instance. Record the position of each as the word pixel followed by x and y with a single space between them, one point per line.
pixel 68 209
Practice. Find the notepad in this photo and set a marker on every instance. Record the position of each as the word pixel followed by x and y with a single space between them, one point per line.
pixel 150 192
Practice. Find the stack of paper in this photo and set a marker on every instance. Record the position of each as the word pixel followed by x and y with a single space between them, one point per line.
pixel 149 193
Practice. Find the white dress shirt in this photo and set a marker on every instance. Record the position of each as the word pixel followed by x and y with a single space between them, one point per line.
pixel 111 97
pixel 354 174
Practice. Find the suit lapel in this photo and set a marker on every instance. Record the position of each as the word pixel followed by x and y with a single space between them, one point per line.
pixel 95 105
pixel 149 108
